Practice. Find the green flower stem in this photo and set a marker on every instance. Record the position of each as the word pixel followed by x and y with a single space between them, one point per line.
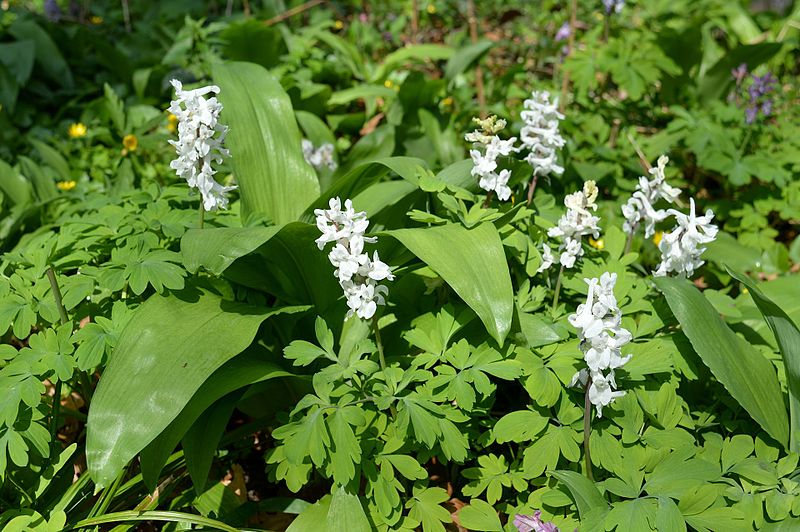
pixel 558 287
pixel 202 213
pixel 175 517
pixel 629 240
pixel 62 312
pixel 378 342
pixel 587 430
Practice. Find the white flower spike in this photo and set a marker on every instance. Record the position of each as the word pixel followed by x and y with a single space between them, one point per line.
pixel 200 142
pixel 321 157
pixel 358 275
pixel 681 248
pixel 639 208
pixel 540 135
pixel 484 163
pixel 599 328
pixel 577 222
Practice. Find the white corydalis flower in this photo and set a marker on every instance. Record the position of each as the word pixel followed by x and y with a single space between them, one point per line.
pixel 200 142
pixel 577 222
pixel 321 157
pixel 648 191
pixel 540 135
pixel 484 163
pixel 357 273
pixel 681 248
pixel 598 322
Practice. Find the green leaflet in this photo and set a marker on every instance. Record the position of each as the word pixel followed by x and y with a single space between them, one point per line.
pixel 749 377
pixel 788 337
pixel 274 179
pixel 169 348
pixel 473 263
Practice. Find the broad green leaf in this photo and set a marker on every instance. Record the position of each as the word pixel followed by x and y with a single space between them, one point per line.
pixel 283 261
pixel 473 263
pixel 465 57
pixel 13 185
pixel 362 176
pixel 52 158
pixel 361 92
pixel 48 55
pixel 212 402
pixel 346 513
pixel 788 337
pixel 586 495
pixel 746 374
pixel 479 515
pixel 265 143
pixel 169 348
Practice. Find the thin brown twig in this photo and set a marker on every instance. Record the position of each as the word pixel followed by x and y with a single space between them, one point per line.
pixel 473 35
pixel 414 20
pixel 292 12
pixel 642 159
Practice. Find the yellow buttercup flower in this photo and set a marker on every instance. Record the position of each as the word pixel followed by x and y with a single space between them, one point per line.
pixel 172 123
pixel 447 101
pixel 66 185
pixel 431 9
pixel 597 244
pixel 96 20
pixel 77 130
pixel 130 142
pixel 338 24
pixel 657 237
pixel 388 84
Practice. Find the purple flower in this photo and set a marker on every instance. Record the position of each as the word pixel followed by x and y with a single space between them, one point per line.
pixel 563 32
pixel 739 73
pixel 51 10
pixel 533 523
pixel 750 114
pixel 613 6
pixel 766 107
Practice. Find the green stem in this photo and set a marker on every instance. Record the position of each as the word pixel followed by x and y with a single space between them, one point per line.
pixel 745 140
pixel 62 312
pixel 156 515
pixel 587 429
pixel 629 241
pixel 558 287
pixel 378 341
pixel 202 214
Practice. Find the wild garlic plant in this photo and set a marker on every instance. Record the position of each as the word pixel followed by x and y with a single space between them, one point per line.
pixel 200 143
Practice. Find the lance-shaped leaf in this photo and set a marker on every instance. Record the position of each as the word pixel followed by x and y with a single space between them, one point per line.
pixel 746 374
pixel 788 337
pixel 473 263
pixel 166 352
pixel 265 143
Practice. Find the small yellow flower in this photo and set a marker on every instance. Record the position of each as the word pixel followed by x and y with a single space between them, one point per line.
pixel 388 84
pixel 597 244
pixel 172 123
pixel 447 101
pixel 96 20
pixel 77 130
pixel 130 142
pixel 338 24
pixel 66 185
pixel 657 237
pixel 431 9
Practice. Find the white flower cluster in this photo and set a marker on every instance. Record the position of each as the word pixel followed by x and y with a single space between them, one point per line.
pixel 640 206
pixel 574 224
pixel 540 133
pixel 485 163
pixel 681 248
pixel 599 329
pixel 321 157
pixel 358 275
pixel 199 144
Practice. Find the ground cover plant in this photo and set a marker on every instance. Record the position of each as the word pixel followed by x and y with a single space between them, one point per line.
pixel 407 265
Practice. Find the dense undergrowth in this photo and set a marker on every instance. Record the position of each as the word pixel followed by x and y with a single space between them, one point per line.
pixel 408 265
